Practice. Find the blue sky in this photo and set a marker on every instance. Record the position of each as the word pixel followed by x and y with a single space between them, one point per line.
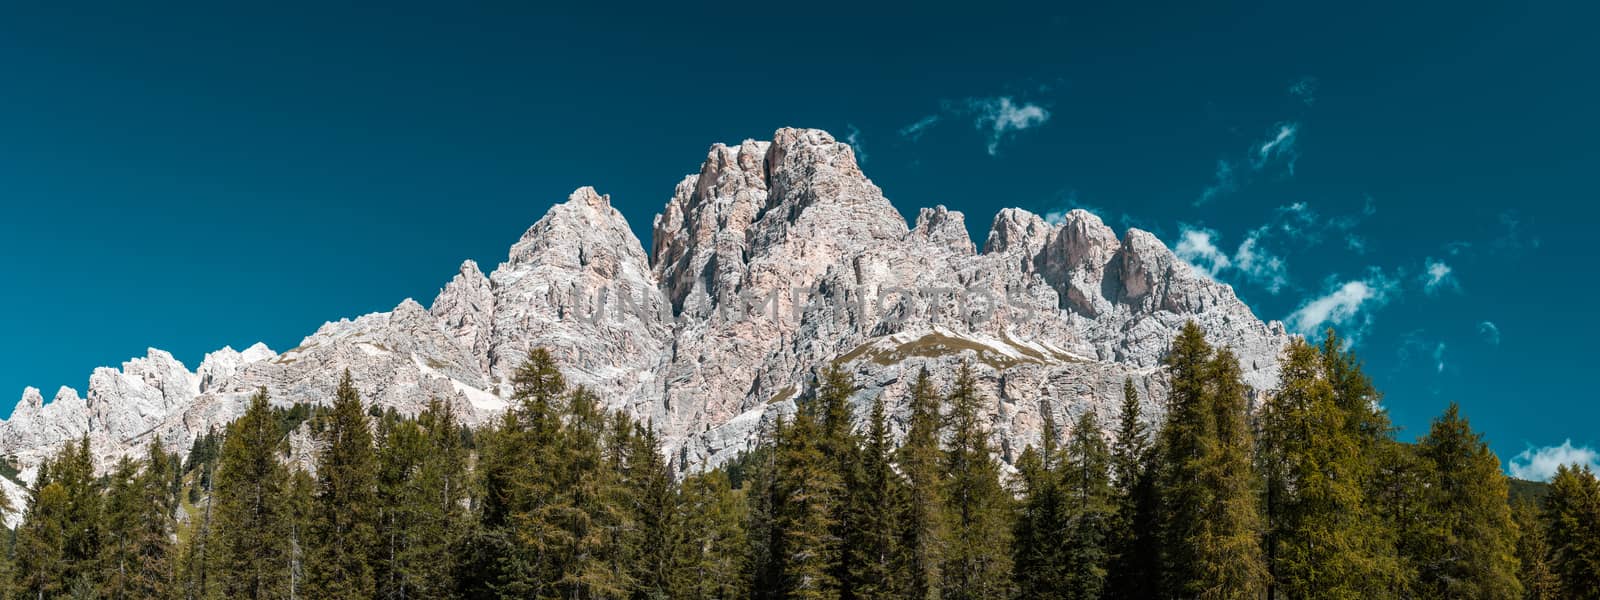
pixel 197 175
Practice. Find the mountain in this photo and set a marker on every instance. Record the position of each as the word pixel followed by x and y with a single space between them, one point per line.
pixel 776 259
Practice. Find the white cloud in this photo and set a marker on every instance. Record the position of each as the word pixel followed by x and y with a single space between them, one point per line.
pixel 854 139
pixel 1539 464
pixel 998 117
pixel 1002 117
pixel 1195 246
pixel 1438 358
pixel 1304 88
pixel 1346 305
pixel 1438 276
pixel 1259 265
pixel 1280 148
pixel 1490 332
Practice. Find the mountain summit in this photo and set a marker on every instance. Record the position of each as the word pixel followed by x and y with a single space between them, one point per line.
pixel 778 258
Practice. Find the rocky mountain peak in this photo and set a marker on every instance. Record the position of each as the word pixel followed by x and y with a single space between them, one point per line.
pixel 943 227
pixel 772 260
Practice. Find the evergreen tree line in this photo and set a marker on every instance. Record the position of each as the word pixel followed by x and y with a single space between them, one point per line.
pixel 1308 495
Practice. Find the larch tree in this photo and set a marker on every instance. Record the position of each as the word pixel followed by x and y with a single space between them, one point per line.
pixel 1473 550
pixel 1572 521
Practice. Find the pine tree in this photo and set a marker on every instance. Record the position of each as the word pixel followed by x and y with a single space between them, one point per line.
pixel 1473 552
pixel 921 516
pixel 873 555
pixel 249 524
pixel 1038 550
pixel 1537 575
pixel 346 501
pixel 1572 521
pixel 977 561
pixel 805 487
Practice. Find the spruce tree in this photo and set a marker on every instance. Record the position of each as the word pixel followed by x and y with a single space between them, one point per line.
pixel 41 540
pixel 840 447
pixel 251 516
pixel 1135 564
pixel 1185 440
pixel 976 561
pixel 118 553
pixel 1038 548
pixel 920 514
pixel 301 499
pixel 1086 481
pixel 422 473
pixel 74 470
pixel 646 494
pixel 346 501
pixel 1572 521
pixel 806 486
pixel 873 556
pixel 1472 553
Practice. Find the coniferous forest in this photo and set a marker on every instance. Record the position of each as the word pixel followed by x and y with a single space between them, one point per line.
pixel 1304 494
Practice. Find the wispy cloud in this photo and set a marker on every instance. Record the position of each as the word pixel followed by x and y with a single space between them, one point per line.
pixel 1222 184
pixel 1515 237
pixel 1490 332
pixel 999 118
pixel 1278 148
pixel 1347 306
pixel 1438 358
pixel 1437 276
pixel 854 139
pixel 915 130
pixel 1304 88
pixel 1539 464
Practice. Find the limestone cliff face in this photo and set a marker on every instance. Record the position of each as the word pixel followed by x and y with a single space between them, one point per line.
pixel 776 259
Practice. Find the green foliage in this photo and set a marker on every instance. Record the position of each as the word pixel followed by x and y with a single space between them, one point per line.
pixel 977 510
pixel 1326 536
pixel 343 532
pixel 1572 524
pixel 251 512
pixel 921 517
pixel 1470 547
pixel 1306 496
